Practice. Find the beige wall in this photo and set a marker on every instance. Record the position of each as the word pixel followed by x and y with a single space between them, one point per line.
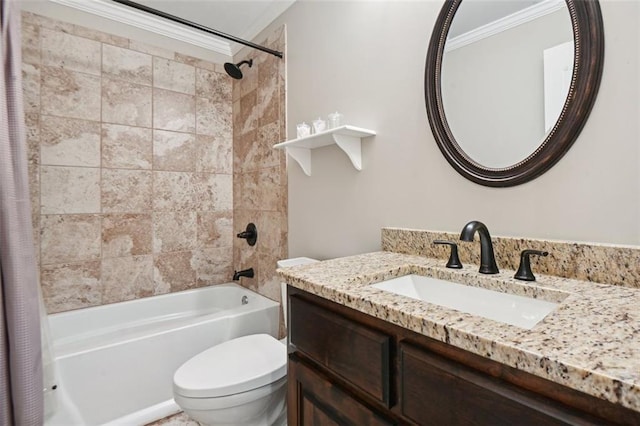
pixel 366 59
pixel 131 166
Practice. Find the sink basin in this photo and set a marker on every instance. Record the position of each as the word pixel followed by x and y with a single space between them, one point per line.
pixel 524 312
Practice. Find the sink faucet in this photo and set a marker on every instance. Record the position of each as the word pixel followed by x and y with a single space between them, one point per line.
pixel 487 259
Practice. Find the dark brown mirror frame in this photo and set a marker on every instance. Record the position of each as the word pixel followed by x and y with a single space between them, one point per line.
pixel 588 33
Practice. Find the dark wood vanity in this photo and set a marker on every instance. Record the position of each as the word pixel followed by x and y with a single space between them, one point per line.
pixel 346 367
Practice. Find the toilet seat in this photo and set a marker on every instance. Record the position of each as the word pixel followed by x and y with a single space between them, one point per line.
pixel 235 366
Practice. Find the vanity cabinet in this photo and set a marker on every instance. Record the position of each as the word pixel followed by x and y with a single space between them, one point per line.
pixel 346 367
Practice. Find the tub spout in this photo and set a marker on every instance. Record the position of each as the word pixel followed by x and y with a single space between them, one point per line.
pixel 244 273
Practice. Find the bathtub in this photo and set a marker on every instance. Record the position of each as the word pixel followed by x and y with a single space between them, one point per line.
pixel 115 363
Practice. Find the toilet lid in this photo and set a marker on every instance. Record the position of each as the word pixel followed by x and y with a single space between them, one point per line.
pixel 235 366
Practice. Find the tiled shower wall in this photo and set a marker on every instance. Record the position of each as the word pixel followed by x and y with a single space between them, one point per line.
pixel 260 174
pixel 131 166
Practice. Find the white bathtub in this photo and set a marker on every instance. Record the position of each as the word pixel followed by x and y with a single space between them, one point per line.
pixel 115 363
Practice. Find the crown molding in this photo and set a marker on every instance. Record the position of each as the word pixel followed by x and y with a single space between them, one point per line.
pixel 275 9
pixel 145 21
pixel 510 21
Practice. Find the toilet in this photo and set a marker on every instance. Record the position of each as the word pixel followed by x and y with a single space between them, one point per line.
pixel 242 381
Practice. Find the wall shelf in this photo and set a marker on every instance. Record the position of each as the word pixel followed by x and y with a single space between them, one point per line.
pixel 348 138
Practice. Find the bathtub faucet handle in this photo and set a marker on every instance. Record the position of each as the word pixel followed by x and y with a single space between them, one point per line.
pixel 250 234
pixel 244 273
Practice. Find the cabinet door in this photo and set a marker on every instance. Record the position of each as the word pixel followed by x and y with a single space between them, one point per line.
pixel 356 353
pixel 438 391
pixel 314 400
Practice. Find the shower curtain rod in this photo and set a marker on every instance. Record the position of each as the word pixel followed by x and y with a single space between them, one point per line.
pixel 197 26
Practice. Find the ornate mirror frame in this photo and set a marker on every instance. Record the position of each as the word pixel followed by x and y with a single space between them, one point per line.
pixel 588 34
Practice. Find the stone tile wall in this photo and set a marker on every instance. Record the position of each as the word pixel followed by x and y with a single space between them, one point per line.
pixel 130 153
pixel 260 174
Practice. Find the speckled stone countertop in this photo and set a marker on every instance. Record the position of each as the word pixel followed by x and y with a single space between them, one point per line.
pixel 590 343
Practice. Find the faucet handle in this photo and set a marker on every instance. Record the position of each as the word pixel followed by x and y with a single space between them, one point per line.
pixel 454 260
pixel 250 234
pixel 524 270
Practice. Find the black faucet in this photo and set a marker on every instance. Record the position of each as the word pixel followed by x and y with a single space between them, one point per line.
pixel 244 273
pixel 524 270
pixel 250 234
pixel 487 259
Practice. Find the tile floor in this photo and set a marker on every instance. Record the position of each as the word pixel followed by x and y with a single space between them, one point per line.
pixel 180 419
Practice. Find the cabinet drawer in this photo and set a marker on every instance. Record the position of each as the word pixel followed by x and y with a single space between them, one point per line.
pixel 438 391
pixel 356 353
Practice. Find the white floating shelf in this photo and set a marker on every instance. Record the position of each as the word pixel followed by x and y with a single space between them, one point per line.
pixel 348 138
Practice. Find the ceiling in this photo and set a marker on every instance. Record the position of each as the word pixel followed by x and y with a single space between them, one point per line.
pixel 234 17
pixel 244 19
pixel 241 18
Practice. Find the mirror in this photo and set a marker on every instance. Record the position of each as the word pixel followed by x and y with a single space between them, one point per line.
pixel 509 84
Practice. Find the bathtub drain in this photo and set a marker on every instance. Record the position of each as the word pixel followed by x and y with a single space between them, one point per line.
pixel 245 300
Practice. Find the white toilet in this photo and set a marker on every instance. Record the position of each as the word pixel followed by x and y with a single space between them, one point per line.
pixel 239 382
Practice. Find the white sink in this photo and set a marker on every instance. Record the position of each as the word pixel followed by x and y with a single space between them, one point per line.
pixel 520 311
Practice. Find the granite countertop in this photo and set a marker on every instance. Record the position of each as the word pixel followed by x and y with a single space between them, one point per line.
pixel 590 343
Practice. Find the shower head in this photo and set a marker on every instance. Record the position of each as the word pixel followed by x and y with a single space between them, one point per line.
pixel 234 69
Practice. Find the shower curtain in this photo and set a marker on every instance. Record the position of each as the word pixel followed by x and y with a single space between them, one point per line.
pixel 21 386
